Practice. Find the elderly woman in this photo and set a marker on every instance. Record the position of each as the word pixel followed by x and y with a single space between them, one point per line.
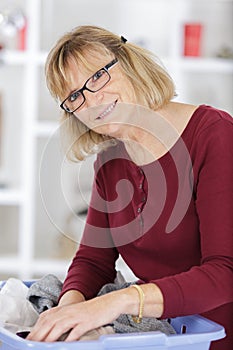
pixel 162 196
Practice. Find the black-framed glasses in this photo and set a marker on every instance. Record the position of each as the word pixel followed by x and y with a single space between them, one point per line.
pixel 96 82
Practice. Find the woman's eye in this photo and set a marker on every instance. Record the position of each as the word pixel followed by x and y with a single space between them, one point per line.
pixel 74 96
pixel 97 75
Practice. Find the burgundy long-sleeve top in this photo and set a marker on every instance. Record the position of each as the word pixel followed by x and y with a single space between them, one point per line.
pixel 170 220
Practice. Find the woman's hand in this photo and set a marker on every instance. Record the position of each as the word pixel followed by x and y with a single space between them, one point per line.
pixel 77 318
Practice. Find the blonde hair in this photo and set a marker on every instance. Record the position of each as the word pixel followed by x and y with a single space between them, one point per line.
pixel 151 83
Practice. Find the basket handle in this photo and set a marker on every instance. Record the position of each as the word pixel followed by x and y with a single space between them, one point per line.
pixel 119 341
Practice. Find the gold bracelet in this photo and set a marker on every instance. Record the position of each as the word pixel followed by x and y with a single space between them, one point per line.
pixel 138 319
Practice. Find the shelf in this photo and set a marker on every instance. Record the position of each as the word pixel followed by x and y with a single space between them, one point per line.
pixel 199 64
pixel 208 65
pixel 10 197
pixel 12 264
pixel 9 264
pixel 43 266
pixel 12 57
pixel 45 129
pixel 220 65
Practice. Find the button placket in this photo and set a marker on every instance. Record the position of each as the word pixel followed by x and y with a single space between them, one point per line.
pixel 141 224
pixel 141 192
pixel 143 198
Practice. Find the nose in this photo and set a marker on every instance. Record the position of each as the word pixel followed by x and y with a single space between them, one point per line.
pixel 93 98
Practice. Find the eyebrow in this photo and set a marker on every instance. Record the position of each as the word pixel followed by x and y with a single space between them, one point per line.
pixel 73 91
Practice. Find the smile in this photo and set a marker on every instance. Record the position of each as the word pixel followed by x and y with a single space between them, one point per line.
pixel 107 111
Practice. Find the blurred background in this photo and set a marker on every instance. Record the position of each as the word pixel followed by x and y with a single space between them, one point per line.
pixel 43 198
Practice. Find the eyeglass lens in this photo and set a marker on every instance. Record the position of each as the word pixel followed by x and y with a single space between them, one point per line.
pixel 96 82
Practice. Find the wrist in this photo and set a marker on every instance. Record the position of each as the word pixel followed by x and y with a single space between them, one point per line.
pixel 141 295
pixel 129 301
pixel 71 297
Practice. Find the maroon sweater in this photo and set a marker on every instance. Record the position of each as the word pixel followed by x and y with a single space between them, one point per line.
pixel 171 221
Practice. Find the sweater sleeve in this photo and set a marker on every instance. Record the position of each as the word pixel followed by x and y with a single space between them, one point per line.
pixel 209 285
pixel 94 263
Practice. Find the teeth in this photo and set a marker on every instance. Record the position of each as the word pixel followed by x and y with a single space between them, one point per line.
pixel 107 110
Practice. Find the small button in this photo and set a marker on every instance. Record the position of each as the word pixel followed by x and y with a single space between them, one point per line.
pixel 139 210
pixel 140 186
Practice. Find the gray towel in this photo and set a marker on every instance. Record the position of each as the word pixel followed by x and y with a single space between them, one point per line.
pixel 125 324
pixel 44 293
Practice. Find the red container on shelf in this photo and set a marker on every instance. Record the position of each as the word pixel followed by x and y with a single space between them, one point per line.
pixel 22 37
pixel 192 39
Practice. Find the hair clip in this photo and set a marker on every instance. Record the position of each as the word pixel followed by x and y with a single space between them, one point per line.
pixel 123 39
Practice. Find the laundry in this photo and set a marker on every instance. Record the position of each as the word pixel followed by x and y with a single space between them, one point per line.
pixel 96 333
pixel 93 334
pixel 20 307
pixel 16 312
pixel 44 293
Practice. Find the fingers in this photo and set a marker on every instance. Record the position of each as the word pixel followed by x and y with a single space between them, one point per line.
pixel 76 332
pixel 75 319
pixel 51 325
pixel 59 323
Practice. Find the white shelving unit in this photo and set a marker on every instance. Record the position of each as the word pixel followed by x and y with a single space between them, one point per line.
pixel 32 244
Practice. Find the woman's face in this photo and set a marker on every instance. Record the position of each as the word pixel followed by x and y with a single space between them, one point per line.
pixel 108 110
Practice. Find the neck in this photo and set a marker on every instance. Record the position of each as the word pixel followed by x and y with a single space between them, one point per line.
pixel 149 136
pixel 155 132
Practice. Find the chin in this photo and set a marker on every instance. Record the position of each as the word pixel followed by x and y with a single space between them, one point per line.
pixel 113 130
